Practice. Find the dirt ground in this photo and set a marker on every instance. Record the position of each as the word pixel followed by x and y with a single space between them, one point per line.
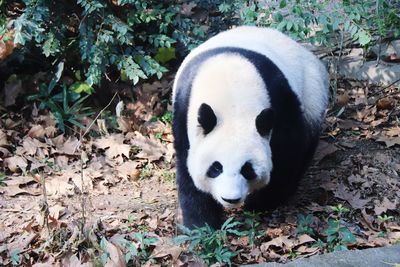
pixel 357 164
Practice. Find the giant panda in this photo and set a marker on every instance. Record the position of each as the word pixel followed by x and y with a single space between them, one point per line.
pixel 247 111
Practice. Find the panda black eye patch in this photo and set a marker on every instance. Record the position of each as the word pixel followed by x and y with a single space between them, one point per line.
pixel 206 118
pixel 215 170
pixel 248 172
pixel 265 121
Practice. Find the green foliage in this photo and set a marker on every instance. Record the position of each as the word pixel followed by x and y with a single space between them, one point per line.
pixel 305 224
pixel 320 21
pixel 251 222
pixel 15 257
pixel 134 37
pixel 338 236
pixel 147 171
pixel 66 106
pixel 138 250
pixel 208 244
pixel 2 179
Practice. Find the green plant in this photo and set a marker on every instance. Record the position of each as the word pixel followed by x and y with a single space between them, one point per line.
pixel 338 236
pixel 169 176
pixel 138 249
pixel 305 224
pixel 251 222
pixel 321 21
pixel 66 106
pixel 15 257
pixel 147 171
pixel 2 179
pixel 208 244
pixel 167 117
pixel 385 219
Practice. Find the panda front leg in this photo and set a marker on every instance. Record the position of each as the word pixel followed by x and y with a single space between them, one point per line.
pixel 198 208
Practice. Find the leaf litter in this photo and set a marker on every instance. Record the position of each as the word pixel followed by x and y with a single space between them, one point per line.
pixel 125 182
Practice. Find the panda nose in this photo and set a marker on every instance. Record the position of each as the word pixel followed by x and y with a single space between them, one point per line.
pixel 232 201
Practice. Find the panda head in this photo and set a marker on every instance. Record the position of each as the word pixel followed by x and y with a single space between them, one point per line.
pixel 232 156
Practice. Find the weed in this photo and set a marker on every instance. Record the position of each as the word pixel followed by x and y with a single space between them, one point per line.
pixel 147 171
pixel 169 176
pixel 2 179
pixel 15 257
pixel 252 221
pixel 167 117
pixel 305 224
pixel 211 245
pixel 385 219
pixel 138 248
pixel 338 235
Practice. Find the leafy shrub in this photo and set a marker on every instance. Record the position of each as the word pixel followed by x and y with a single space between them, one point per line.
pixel 317 21
pixel 208 244
pixel 131 37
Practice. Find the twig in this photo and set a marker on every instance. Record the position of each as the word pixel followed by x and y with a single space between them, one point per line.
pixel 91 124
pixel 44 205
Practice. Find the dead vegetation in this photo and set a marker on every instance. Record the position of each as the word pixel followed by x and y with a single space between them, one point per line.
pixel 109 198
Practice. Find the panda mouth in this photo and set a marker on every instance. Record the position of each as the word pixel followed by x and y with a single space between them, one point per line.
pixel 232 201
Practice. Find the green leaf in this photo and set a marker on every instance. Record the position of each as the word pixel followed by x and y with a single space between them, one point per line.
pixel 81 87
pixel 165 54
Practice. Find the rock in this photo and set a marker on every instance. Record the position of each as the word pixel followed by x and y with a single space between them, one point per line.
pixel 373 257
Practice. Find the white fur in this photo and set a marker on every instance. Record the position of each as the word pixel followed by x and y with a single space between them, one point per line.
pixel 235 91
pixel 236 94
pixel 305 73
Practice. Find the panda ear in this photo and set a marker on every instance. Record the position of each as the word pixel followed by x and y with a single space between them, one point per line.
pixel 206 118
pixel 265 121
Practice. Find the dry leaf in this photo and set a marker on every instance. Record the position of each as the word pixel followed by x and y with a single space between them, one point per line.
pixel 37 131
pixel 352 198
pixel 57 211
pixel 70 146
pixel 342 99
pixel 385 103
pixel 128 170
pixel 165 247
pixel 115 147
pixel 324 149
pixel 14 185
pixel 389 141
pixel 3 138
pixel 16 162
pixel 116 257
pixel 73 261
pixel 385 205
pixel 281 241
pixel 151 148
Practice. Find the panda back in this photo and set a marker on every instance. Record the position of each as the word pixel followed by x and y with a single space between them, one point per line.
pixel 305 74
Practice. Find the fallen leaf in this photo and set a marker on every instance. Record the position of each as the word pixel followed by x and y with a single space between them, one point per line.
pixel 353 199
pixel 394 131
pixel 114 146
pixel 37 131
pixel 70 146
pixel 389 141
pixel 342 99
pixel 305 239
pixel 12 88
pixel 128 170
pixel 151 148
pixel 165 247
pixel 16 162
pixel 3 139
pixel 15 186
pixel 385 205
pixel 281 241
pixel 57 211
pixel 115 255
pixel 324 149
pixel 73 261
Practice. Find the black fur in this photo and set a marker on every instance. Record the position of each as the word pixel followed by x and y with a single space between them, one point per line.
pixel 215 170
pixel 207 118
pixel 265 122
pixel 248 172
pixel 293 142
